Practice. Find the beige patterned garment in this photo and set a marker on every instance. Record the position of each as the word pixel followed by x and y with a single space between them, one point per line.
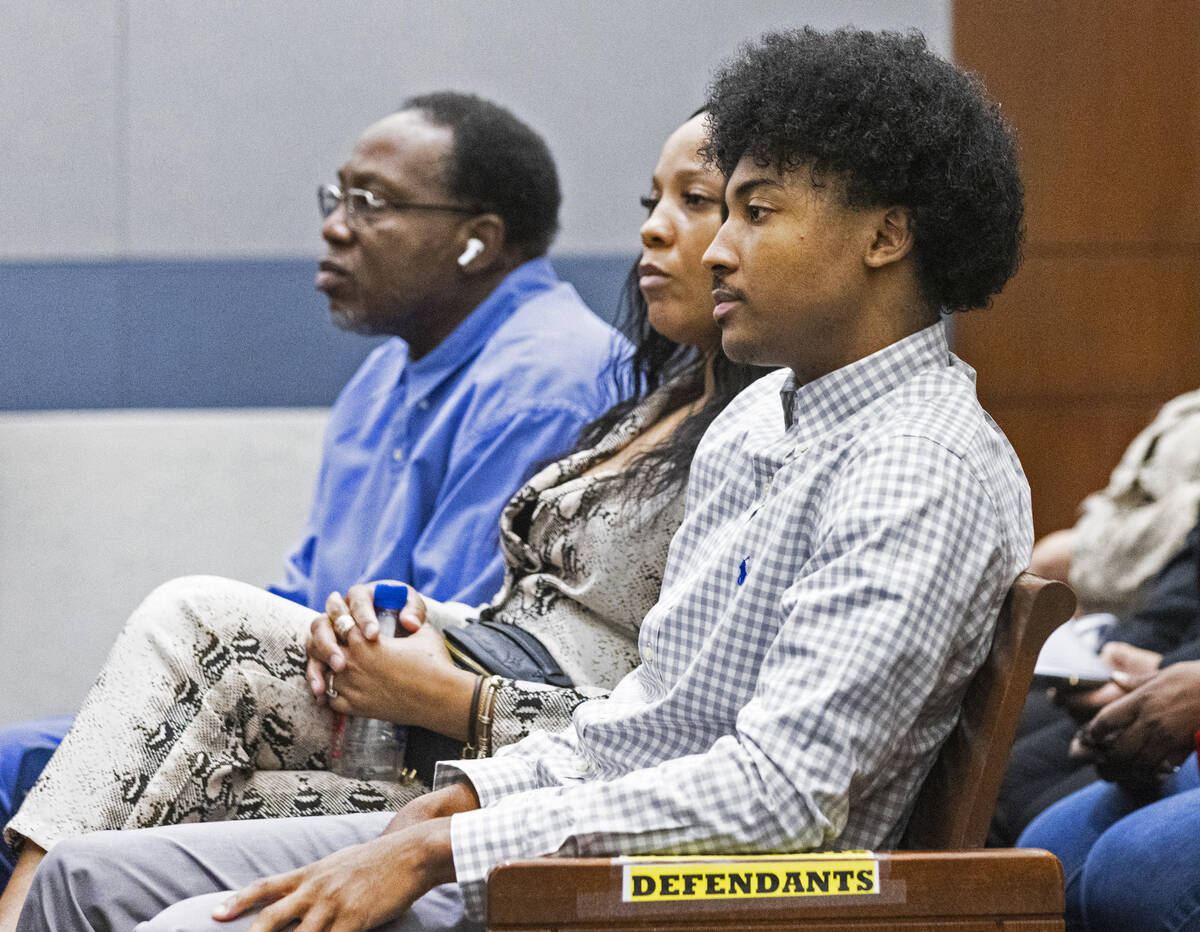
pixel 1128 531
pixel 202 711
pixel 203 690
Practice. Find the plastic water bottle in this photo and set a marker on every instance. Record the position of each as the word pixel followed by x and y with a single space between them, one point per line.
pixel 370 749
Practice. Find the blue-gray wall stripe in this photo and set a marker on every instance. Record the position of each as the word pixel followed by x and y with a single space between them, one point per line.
pixel 192 333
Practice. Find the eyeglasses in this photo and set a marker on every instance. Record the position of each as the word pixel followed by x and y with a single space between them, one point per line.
pixel 361 204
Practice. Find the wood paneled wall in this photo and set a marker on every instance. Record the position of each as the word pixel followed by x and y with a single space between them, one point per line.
pixel 1102 323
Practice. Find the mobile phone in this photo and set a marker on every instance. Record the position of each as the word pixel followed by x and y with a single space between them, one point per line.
pixel 1069 683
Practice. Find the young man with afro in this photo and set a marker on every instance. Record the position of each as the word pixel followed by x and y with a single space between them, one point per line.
pixel 833 586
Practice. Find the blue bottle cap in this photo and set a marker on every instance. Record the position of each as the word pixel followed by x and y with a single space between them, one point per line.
pixel 391 595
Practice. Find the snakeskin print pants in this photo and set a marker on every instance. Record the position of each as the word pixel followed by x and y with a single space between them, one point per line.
pixel 201 713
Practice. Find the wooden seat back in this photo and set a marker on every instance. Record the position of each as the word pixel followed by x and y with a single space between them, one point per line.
pixel 957 799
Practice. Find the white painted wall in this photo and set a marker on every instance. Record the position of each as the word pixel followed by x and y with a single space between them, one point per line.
pixel 99 507
pixel 201 128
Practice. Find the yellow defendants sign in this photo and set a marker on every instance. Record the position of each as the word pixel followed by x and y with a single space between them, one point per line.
pixel 843 873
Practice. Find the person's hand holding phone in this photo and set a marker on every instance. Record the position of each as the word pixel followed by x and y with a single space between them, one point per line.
pixel 1131 667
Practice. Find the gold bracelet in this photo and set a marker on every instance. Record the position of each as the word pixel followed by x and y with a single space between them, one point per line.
pixel 483 731
pixel 469 749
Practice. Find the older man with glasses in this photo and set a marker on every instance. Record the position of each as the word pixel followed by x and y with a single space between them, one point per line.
pixel 437 230
pixel 436 234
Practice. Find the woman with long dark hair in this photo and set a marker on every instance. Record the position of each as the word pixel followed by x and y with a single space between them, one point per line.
pixel 209 706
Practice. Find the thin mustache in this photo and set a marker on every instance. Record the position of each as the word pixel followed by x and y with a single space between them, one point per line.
pixel 722 292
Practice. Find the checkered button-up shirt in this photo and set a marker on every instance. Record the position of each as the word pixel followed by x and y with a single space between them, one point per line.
pixel 830 592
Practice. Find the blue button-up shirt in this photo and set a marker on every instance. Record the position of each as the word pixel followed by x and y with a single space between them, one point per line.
pixel 421 455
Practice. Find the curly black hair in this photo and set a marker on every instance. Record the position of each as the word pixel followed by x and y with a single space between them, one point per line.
pixel 889 123
pixel 498 165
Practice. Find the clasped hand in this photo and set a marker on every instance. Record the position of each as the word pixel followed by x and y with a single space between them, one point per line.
pixel 1135 738
pixel 385 678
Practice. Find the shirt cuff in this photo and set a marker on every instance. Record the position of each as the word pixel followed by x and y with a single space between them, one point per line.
pixel 472 864
pixel 492 777
pixel 520 828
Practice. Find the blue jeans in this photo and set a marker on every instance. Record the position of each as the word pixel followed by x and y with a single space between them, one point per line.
pixel 24 750
pixel 1130 861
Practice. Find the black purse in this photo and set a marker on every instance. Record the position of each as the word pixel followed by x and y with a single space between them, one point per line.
pixel 487 648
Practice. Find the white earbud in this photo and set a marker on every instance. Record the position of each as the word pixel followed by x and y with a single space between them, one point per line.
pixel 474 248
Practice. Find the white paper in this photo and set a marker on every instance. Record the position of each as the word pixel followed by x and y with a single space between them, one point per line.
pixel 1070 651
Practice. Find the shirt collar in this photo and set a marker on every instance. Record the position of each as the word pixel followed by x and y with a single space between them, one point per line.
pixel 832 398
pixel 465 341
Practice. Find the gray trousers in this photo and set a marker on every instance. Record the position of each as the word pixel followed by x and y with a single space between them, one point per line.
pixel 171 878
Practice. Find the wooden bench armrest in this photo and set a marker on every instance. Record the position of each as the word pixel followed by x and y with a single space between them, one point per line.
pixel 976 889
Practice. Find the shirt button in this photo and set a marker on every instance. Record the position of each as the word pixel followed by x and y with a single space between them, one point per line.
pixel 398 454
pixel 423 404
pixel 581 765
pixel 648 654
